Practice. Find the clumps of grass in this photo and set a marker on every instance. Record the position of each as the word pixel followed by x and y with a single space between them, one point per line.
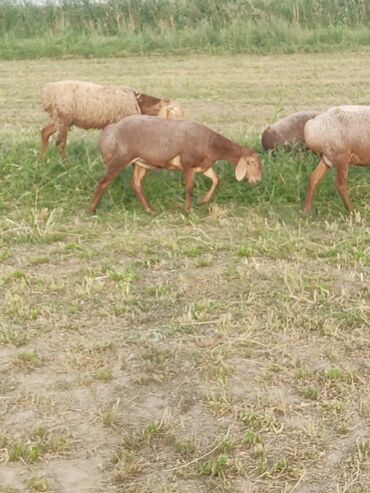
pixel 323 385
pixel 110 416
pixel 125 277
pixel 16 275
pixel 13 337
pixel 158 364
pixel 19 451
pixel 281 467
pixel 312 393
pixel 251 438
pixel 93 359
pixel 39 260
pixel 28 360
pixel 221 468
pixel 128 459
pixel 354 471
pixel 104 375
pixel 128 464
pixel 40 443
pixel 186 448
pixel 215 467
pixel 146 435
pixel 15 308
pixel 157 356
pixel 259 420
pixel 37 484
pixel 4 254
pixel 221 401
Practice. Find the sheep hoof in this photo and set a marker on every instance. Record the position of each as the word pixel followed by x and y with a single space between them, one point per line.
pixel 150 211
pixel 203 201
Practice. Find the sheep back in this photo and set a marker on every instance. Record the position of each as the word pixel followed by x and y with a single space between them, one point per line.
pixel 155 140
pixel 88 105
pixel 341 131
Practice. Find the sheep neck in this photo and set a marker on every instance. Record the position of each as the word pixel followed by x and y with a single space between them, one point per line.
pixel 225 149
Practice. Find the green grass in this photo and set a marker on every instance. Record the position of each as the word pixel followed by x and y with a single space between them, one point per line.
pixel 49 186
pixel 119 28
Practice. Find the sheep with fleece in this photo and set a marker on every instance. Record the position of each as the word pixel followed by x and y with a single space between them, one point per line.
pixel 161 143
pixel 287 131
pixel 88 105
pixel 341 136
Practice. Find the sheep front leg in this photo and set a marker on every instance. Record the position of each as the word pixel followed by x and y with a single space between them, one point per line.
pixel 103 185
pixel 189 173
pixel 314 180
pixel 46 132
pixel 215 182
pixel 342 186
pixel 137 178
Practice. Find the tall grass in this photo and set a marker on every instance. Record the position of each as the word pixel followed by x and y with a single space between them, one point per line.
pixel 119 27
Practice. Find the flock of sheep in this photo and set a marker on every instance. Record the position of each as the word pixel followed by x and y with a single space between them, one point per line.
pixel 151 133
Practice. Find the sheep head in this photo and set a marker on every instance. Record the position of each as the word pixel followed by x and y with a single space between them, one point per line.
pixel 249 167
pixel 171 109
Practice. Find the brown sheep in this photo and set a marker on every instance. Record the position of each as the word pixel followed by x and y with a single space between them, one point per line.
pixel 171 144
pixel 287 131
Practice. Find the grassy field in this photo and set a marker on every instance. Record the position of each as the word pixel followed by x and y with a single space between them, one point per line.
pixel 223 351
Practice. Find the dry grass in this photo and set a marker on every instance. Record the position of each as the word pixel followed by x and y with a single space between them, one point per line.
pixel 227 351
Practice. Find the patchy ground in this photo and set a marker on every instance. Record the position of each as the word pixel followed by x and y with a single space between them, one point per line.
pixel 226 351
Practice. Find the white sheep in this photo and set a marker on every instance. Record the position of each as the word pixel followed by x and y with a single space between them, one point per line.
pixel 88 105
pixel 287 130
pixel 341 136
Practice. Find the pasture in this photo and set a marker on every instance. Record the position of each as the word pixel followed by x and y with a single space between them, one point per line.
pixel 223 351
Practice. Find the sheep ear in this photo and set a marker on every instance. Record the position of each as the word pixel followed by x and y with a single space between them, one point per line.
pixel 241 169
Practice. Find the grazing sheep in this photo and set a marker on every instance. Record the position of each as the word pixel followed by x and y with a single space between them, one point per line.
pixel 89 105
pixel 341 136
pixel 171 144
pixel 287 131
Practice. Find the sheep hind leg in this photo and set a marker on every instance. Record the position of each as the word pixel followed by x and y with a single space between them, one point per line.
pixel 341 185
pixel 314 181
pixel 189 173
pixel 136 183
pixel 61 141
pixel 46 133
pixel 110 175
pixel 215 182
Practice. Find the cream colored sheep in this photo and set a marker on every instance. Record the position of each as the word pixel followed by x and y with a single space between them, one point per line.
pixel 88 105
pixel 341 136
